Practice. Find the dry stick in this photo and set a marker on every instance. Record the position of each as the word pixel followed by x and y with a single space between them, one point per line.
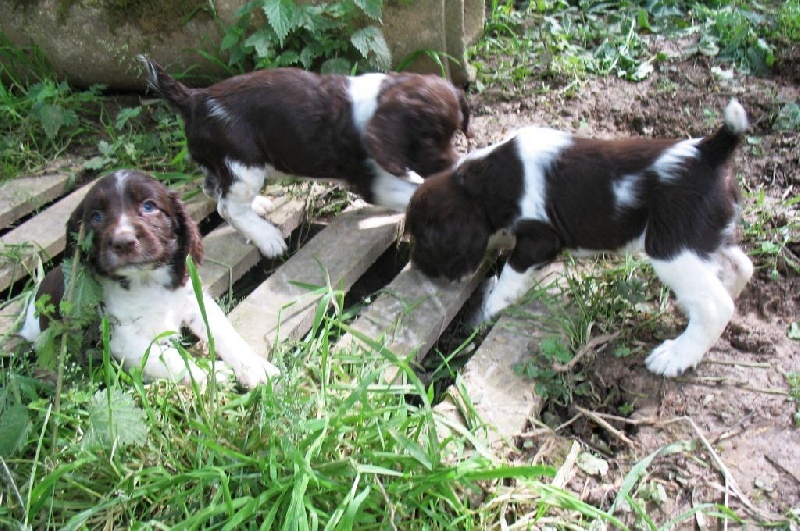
pixel 730 482
pixel 62 353
pixel 597 418
pixel 10 480
pixel 588 347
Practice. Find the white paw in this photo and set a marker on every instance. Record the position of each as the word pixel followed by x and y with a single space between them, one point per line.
pixel 269 241
pixel 262 205
pixel 672 357
pixel 482 313
pixel 255 370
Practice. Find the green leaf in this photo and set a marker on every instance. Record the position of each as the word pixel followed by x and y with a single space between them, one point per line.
pixel 125 115
pixel 262 42
pixel 115 420
pixel 371 8
pixel 52 117
pixel 14 427
pixel 280 14
pixel 337 65
pixel 371 44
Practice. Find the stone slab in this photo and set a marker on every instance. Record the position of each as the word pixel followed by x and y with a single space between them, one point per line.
pixel 280 309
pixel 411 313
pixel 20 197
pixel 228 256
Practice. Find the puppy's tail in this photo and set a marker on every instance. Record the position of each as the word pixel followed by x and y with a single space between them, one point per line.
pixel 719 147
pixel 166 86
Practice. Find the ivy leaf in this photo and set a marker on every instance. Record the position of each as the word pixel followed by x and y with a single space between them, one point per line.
pixel 371 44
pixel 115 419
pixel 371 8
pixel 280 14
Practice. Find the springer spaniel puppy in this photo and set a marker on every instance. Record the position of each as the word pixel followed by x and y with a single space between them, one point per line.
pixel 676 200
pixel 377 132
pixel 140 238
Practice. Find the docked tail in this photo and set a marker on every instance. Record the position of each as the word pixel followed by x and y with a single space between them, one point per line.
pixel 719 147
pixel 169 88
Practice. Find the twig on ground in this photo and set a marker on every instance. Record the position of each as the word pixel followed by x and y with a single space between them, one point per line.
pixel 600 420
pixel 592 345
pixel 785 470
pixel 718 381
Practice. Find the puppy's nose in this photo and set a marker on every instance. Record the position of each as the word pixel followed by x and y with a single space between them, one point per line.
pixel 124 241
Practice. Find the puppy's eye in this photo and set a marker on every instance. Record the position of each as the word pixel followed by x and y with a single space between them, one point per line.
pixel 149 206
pixel 97 217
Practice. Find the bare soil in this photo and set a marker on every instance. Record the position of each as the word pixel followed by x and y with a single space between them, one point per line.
pixel 738 397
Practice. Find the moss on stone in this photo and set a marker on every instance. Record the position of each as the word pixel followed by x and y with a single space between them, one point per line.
pixel 151 16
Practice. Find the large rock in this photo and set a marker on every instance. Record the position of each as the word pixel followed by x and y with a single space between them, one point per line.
pixel 88 42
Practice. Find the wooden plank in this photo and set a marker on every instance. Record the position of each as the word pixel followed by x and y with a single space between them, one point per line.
pixel 10 319
pixel 411 313
pixel 44 235
pixel 228 256
pixel 279 309
pixel 20 197
pixel 503 400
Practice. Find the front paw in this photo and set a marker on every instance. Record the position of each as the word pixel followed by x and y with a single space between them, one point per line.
pixel 255 371
pixel 270 241
pixel 262 205
pixel 672 358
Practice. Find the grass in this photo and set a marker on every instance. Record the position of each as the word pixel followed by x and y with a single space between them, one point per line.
pixel 329 445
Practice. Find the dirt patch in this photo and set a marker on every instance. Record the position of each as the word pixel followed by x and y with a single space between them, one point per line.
pixel 738 397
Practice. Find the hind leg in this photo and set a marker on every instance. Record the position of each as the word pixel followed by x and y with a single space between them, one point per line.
pixel 706 302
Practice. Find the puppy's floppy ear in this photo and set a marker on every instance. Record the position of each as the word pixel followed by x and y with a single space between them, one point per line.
pixel 187 234
pixel 73 229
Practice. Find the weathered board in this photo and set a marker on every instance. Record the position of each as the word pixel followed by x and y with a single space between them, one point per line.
pixel 228 256
pixel 407 317
pixel 282 308
pixel 411 313
pixel 20 197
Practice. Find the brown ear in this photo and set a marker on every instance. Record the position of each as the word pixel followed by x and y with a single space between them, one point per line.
pixel 73 228
pixel 187 233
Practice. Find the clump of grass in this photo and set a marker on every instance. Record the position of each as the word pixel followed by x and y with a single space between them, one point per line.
pixel 39 117
pixel 329 445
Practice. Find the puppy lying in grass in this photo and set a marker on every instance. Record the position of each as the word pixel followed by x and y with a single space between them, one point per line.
pixel 140 236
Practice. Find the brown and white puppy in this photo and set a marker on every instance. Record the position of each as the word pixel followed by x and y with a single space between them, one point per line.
pixel 376 132
pixel 675 200
pixel 140 237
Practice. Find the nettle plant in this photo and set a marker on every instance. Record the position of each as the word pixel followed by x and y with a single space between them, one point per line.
pixel 330 37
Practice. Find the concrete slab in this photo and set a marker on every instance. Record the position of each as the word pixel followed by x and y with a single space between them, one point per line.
pixel 281 308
